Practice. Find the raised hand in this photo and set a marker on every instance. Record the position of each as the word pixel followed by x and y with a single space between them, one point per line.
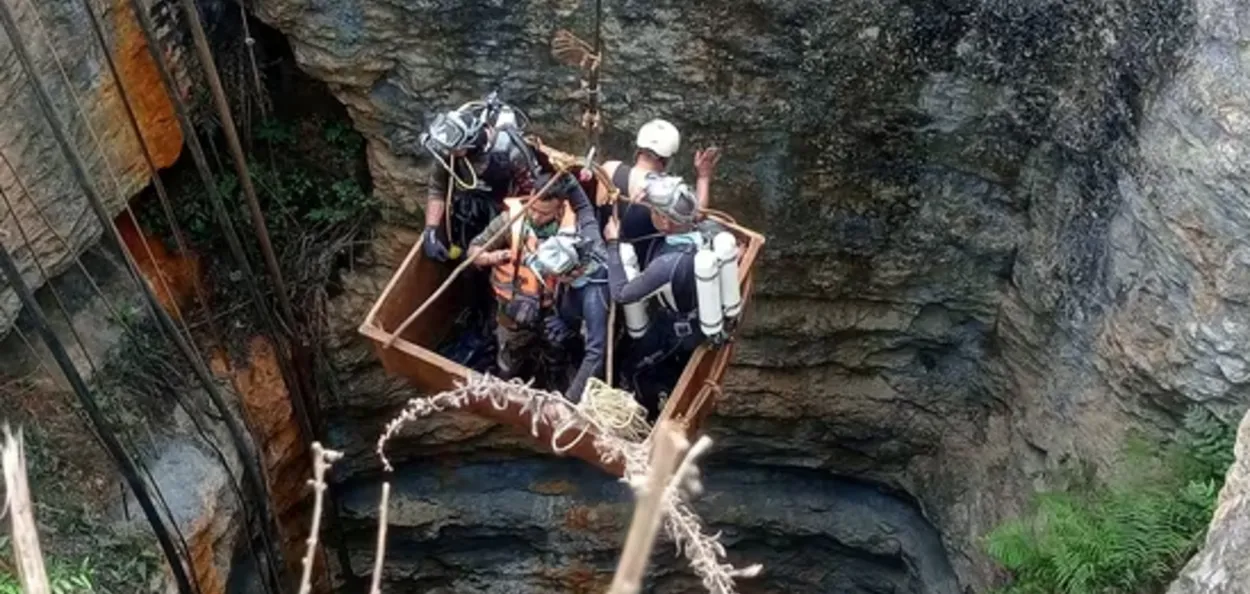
pixel 705 161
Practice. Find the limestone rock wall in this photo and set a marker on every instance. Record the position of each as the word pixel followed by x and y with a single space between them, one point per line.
pixel 48 205
pixel 1222 566
pixel 1001 232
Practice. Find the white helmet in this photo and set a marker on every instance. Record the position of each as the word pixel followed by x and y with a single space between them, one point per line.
pixel 659 137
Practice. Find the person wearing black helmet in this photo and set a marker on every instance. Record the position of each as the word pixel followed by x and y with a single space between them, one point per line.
pixel 674 330
pixel 480 155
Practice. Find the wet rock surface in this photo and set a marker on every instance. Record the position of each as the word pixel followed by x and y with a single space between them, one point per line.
pixel 1001 233
pixel 534 525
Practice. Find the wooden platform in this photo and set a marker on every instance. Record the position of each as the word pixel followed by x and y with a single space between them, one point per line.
pixel 412 355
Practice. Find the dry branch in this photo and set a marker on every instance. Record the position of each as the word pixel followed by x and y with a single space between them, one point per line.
pixel 322 460
pixel 380 555
pixel 30 568
pixel 670 446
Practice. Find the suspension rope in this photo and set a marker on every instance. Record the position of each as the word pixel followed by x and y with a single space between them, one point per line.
pixel 304 398
pixel 43 217
pixel 252 466
pixel 79 170
pixel 104 299
pixel 250 43
pixel 128 445
pixel 112 171
pixel 157 183
pixel 119 455
pixel 191 13
pixel 47 281
pixel 56 294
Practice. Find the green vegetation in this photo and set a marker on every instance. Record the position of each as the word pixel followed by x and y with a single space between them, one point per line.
pixel 129 572
pixel 79 555
pixel 62 580
pixel 307 176
pixel 311 178
pixel 1129 535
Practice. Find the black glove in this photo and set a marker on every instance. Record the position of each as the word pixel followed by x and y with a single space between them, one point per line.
pixel 433 246
pixel 555 330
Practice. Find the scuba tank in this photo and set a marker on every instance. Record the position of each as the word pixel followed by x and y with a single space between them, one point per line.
pixel 725 245
pixel 635 313
pixel 708 286
pixel 494 112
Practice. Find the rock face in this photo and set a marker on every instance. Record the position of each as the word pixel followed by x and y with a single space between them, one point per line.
pixel 1001 232
pixel 35 177
pixel 537 526
pixel 1223 566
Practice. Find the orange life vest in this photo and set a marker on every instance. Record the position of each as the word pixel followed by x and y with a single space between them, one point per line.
pixel 513 278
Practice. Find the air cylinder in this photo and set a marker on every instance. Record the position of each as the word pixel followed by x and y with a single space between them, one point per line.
pixel 726 247
pixel 707 285
pixel 635 313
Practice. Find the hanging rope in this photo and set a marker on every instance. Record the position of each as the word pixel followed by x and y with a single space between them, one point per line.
pixel 269 324
pixel 43 217
pixel 304 398
pixel 78 169
pixel 127 328
pixel 112 172
pixel 127 467
pixel 47 281
pixel 184 550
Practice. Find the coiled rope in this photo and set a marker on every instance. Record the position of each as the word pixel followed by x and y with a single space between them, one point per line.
pixel 615 410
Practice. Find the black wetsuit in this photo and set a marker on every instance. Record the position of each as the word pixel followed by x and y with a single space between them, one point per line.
pixel 506 168
pixel 650 365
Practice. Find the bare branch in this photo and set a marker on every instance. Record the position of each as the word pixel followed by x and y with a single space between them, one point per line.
pixel 670 446
pixel 30 568
pixel 380 555
pixel 322 460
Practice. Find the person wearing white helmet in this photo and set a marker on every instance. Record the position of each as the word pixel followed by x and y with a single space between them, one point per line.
pixel 657 142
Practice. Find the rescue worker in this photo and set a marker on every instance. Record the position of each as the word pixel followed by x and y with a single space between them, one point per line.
pixel 575 260
pixel 479 151
pixel 674 331
pixel 530 262
pixel 657 141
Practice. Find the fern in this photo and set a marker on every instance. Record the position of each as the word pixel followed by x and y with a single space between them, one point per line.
pixel 1128 536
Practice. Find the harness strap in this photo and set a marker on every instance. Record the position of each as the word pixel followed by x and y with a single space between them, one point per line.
pixel 620 177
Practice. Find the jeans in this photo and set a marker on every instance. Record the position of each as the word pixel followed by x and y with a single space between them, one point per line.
pixel 589 305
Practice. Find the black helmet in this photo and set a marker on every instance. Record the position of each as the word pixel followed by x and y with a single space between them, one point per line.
pixel 671 197
pixel 453 131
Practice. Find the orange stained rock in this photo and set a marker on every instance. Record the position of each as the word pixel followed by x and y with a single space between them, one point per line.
pixel 179 274
pixel 271 420
pixel 153 108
